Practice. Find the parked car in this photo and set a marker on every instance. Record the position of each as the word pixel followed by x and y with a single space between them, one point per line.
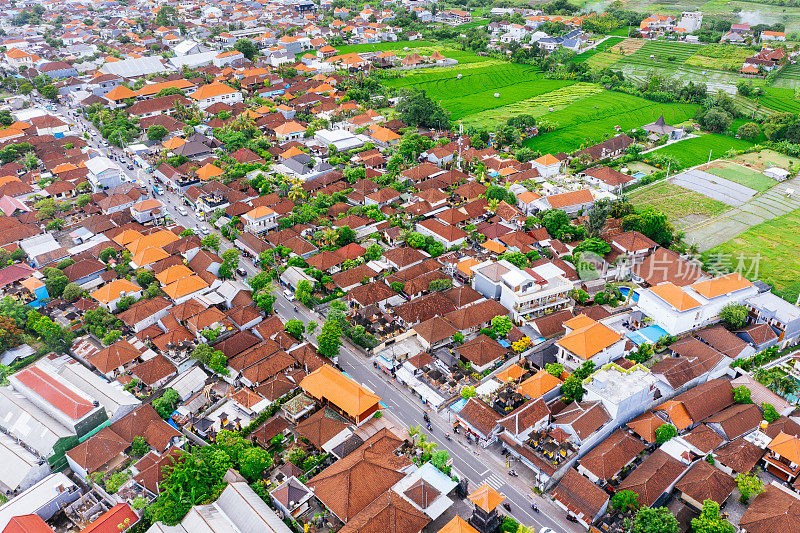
pixel 289 295
pixel 182 210
pixel 242 272
pixel 204 229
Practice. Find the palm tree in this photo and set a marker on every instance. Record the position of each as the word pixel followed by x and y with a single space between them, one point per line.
pixel 789 385
pixel 414 432
pixel 428 446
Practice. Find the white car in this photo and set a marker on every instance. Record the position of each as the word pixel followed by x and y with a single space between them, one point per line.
pixel 204 229
pixel 182 210
pixel 289 295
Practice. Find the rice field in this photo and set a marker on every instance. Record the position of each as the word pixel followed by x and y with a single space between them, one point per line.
pixel 404 48
pixel 789 77
pixel 682 206
pixel 474 92
pixel 692 152
pixel 769 253
pixel 739 174
pixel 664 54
pixel 780 99
pixel 536 106
pixel 602 47
pixel 592 119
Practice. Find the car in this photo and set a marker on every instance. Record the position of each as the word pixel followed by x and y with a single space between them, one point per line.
pixel 204 229
pixel 289 295
pixel 130 167
pixel 182 210
pixel 242 272
pixel 159 190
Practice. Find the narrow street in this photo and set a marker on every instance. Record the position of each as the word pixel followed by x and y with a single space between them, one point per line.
pixel 478 465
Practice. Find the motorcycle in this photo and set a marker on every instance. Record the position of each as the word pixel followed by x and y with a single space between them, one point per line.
pixel 295 308
pixel 447 437
pixel 513 473
pixel 429 426
pixel 507 506
pixel 425 417
pixel 535 509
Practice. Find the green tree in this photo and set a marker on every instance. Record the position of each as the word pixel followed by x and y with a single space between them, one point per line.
pixel 219 363
pixel 655 520
pixel 770 414
pixel 166 403
pixel 417 109
pixel 397 286
pixel 625 500
pixel 247 48
pixel 56 284
pixel 749 485
pixel 572 389
pixel 710 520
pixel 202 354
pixel 749 131
pixel 554 369
pixel 439 459
pixel 330 338
pixel 72 291
pixel 468 392
pixel 741 394
pixel 717 120
pixel 210 241
pixel 156 132
pixel 458 337
pixel 373 253
pixel 734 316
pixel 295 328
pixel 230 262
pixel 502 325
pixel 665 432
pixel 253 461
pixel 139 446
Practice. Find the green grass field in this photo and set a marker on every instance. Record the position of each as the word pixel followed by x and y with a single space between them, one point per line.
pixel 780 99
pixel 602 47
pixel 789 77
pixel 419 47
pixel 695 151
pixel 669 55
pixel 677 202
pixel 740 174
pixel 473 94
pixel 537 106
pixel 588 120
pixel 770 253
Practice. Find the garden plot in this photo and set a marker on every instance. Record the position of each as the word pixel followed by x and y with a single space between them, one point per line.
pixel 740 174
pixel 720 189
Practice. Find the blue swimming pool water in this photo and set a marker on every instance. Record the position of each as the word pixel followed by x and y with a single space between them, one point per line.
pixel 458 406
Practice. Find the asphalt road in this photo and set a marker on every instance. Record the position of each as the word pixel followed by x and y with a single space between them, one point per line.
pixel 478 465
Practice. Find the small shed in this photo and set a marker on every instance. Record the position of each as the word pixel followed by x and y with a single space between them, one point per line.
pixel 777 173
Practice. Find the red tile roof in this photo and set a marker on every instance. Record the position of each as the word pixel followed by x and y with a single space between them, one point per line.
pixel 55 393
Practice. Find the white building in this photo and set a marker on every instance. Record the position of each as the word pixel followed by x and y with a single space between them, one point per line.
pixel 547 165
pixel 213 93
pixel 260 219
pixel 588 340
pixel 691 21
pixel 103 173
pixel 526 295
pixel 624 393
pixel 679 310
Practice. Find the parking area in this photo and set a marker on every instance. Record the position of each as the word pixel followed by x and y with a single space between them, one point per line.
pixel 715 187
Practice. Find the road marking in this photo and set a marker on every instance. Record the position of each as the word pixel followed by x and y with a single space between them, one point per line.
pixel 495 481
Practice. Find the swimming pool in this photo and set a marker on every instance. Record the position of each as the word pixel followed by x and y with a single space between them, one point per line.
pixel 649 334
pixel 626 290
pixel 458 406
